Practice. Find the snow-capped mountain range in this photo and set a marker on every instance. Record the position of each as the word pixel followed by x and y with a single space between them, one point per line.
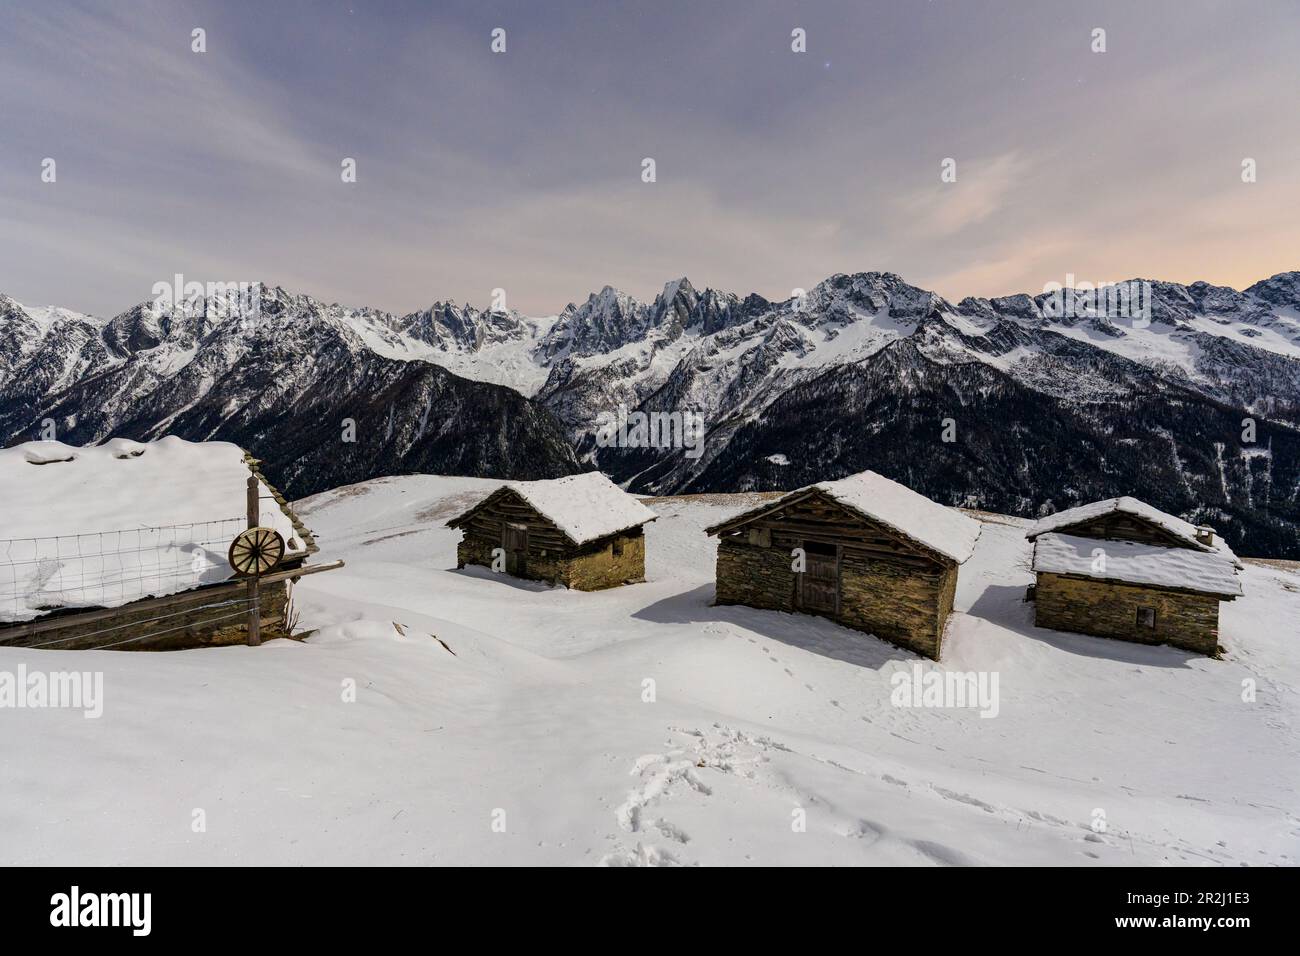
pixel 989 403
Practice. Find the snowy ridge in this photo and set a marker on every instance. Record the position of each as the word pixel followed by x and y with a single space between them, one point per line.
pixel 883 356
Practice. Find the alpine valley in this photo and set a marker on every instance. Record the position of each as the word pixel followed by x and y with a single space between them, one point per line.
pixel 987 404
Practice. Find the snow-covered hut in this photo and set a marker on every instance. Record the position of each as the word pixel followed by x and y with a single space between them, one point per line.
pixel 1122 568
pixel 126 545
pixel 864 551
pixel 582 531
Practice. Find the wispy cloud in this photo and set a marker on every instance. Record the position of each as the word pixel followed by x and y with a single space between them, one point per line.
pixel 980 190
pixel 522 170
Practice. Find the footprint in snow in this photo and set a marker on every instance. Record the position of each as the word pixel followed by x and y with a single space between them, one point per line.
pixel 866 830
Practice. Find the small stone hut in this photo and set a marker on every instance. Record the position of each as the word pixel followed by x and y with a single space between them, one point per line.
pixel 1124 569
pixel 124 546
pixel 876 556
pixel 582 531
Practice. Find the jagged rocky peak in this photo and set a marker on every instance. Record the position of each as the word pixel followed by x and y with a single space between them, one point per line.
pixel 1166 303
pixel 849 296
pixel 1281 290
pixel 424 325
pixel 445 325
pixel 501 325
pixel 609 306
pixel 19 334
pixel 1021 308
pixel 719 310
pixel 153 322
pixel 462 328
pixel 44 345
pixel 9 309
pixel 606 321
pixel 977 307
pixel 785 337
pixel 681 306
pixel 136 329
pixel 674 309
pixel 752 306
pixel 1172 303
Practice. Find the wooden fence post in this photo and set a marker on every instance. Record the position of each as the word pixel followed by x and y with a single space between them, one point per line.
pixel 254 604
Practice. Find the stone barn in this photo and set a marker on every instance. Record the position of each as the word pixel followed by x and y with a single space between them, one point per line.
pixel 1121 568
pixel 127 545
pixel 582 531
pixel 864 551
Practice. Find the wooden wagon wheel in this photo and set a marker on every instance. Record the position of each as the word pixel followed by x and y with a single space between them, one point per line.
pixel 256 551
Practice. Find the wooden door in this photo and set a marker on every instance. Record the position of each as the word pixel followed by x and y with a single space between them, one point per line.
pixel 819 585
pixel 514 541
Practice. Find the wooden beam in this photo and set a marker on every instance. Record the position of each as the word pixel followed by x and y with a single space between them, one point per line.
pixel 194 596
pixel 254 508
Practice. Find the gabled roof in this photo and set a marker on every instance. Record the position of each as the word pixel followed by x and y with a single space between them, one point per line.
pixel 584 507
pixel 928 523
pixel 105 525
pixel 1133 562
pixel 1183 530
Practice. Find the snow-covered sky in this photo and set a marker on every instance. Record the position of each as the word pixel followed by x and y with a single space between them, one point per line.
pixel 522 170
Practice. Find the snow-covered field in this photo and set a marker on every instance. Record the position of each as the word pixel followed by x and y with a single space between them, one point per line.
pixel 522 733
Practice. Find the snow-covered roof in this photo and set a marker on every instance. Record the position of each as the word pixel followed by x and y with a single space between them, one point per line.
pixel 106 525
pixel 584 507
pixel 1175 525
pixel 937 527
pixel 1133 562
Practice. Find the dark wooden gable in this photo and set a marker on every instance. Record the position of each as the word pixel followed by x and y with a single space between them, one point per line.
pixel 506 508
pixel 817 517
pixel 1122 526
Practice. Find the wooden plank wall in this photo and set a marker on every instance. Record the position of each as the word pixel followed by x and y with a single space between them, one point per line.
pixel 1118 526
pixel 488 522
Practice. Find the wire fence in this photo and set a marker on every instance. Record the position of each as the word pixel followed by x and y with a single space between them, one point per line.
pixel 111 568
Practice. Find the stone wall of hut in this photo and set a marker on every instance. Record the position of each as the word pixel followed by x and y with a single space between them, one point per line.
pixel 754 576
pixel 904 604
pixel 1110 609
pixel 596 566
pixel 196 619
